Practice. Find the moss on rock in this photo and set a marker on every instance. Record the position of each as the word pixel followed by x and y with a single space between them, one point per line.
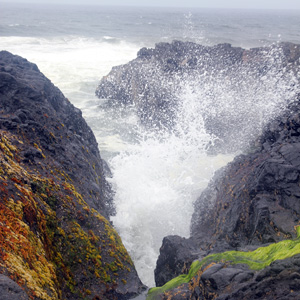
pixel 255 260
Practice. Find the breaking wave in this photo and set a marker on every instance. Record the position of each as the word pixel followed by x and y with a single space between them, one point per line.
pixel 159 176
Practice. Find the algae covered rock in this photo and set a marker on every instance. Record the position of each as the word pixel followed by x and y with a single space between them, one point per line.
pixel 269 272
pixel 55 239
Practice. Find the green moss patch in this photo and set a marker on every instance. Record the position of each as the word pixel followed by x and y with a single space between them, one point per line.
pixel 256 260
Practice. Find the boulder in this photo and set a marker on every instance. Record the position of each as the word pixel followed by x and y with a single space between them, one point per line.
pixel 176 257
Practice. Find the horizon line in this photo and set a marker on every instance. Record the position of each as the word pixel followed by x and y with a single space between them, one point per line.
pixel 144 6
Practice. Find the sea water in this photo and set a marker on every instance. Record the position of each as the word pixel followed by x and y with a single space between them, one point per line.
pixel 156 177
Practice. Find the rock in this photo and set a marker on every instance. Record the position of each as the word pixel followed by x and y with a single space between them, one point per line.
pixel 255 201
pixel 9 290
pixel 56 241
pixel 278 281
pixel 59 125
pixel 221 278
pixel 218 282
pixel 176 256
pixel 158 79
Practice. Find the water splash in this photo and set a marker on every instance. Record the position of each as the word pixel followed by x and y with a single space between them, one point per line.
pixel 156 182
pixel 158 178
pixel 235 103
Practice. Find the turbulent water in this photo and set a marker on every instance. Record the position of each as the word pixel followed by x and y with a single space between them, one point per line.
pixel 156 177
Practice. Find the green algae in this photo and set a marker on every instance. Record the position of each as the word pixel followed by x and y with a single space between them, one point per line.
pixel 177 281
pixel 256 260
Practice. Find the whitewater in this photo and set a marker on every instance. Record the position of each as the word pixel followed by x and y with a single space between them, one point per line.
pixel 155 177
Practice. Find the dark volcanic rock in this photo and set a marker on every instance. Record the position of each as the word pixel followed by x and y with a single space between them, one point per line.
pixel 256 198
pixel 55 238
pixel 221 76
pixel 31 103
pixel 251 202
pixel 176 256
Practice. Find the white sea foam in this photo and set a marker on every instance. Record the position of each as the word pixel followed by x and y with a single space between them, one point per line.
pixel 75 64
pixel 156 182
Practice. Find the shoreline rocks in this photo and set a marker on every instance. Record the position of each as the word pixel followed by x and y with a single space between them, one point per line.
pixel 252 202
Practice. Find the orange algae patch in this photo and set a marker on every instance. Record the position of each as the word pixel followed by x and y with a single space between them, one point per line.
pixel 22 250
pixel 22 253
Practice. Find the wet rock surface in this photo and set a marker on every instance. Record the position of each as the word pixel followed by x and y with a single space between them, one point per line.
pixel 176 256
pixel 255 199
pixel 29 102
pixel 55 238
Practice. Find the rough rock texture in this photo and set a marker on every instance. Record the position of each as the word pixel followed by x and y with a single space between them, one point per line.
pixel 280 280
pixel 256 198
pixel 253 201
pixel 157 80
pixel 55 239
pixel 176 256
pixel 9 290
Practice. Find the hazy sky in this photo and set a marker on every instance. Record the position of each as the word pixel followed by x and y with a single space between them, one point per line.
pixel 263 4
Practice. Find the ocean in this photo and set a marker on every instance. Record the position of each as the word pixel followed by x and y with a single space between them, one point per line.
pixel 156 180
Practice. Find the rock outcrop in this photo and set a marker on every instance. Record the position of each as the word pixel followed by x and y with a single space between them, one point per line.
pixel 256 198
pixel 221 76
pixel 55 238
pixel 253 202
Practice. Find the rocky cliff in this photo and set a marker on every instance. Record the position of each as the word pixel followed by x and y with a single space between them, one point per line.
pixel 55 238
pixel 221 76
